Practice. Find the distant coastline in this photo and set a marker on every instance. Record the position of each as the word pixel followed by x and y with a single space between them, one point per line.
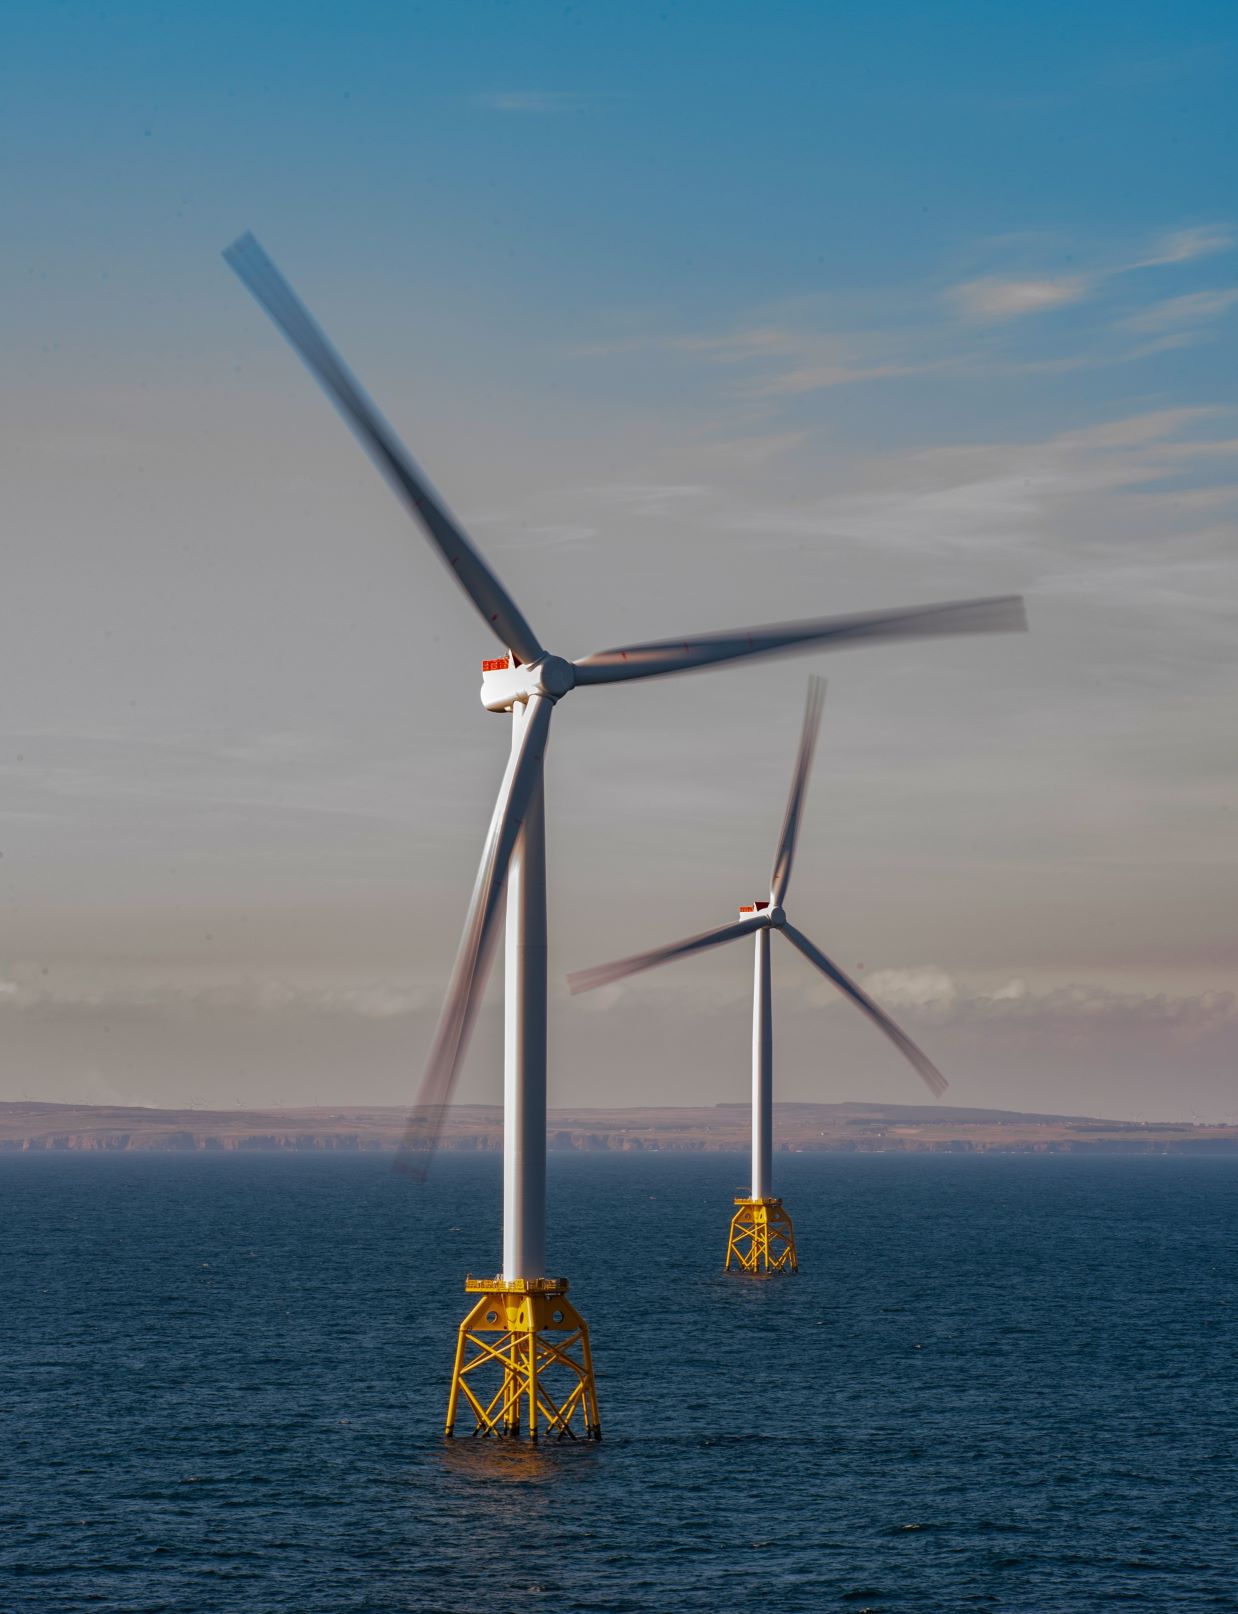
pixel 31 1128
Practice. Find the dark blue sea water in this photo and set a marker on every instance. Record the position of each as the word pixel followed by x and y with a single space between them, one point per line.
pixel 996 1384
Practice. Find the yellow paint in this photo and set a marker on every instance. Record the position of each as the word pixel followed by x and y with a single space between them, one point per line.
pixel 762 1238
pixel 523 1364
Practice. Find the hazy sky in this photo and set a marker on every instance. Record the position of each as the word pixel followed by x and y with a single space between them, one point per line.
pixel 697 315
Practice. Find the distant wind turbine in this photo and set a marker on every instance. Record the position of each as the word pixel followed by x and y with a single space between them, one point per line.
pixel 522 1305
pixel 762 1238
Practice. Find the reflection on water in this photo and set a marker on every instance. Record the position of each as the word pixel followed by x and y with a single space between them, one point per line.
pixel 514 1462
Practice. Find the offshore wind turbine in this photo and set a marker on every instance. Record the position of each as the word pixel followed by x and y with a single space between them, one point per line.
pixel 522 1325
pixel 762 1237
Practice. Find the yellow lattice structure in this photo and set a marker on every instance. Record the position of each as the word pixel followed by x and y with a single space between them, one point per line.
pixel 762 1238
pixel 523 1364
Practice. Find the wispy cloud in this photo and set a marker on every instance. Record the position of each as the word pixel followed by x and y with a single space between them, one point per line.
pixel 997 297
pixel 986 496
pixel 934 995
pixel 533 101
pixel 783 361
pixel 994 298
pixel 1133 431
pixel 758 342
pixel 1192 309
pixel 817 360
pixel 780 357
pixel 1183 246
pixel 928 995
pixel 822 377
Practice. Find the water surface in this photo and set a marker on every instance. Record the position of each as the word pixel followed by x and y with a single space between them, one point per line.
pixel 996 1384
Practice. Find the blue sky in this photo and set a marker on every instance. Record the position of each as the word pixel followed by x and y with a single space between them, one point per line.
pixel 696 314
pixel 563 165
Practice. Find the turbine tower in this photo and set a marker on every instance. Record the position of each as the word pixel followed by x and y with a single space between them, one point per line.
pixel 522 1326
pixel 762 1238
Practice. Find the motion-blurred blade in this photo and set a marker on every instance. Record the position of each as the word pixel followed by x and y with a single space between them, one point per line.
pixel 1001 614
pixel 604 974
pixel 468 980
pixel 502 614
pixel 785 855
pixel 932 1077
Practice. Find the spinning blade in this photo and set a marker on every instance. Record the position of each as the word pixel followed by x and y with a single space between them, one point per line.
pixel 1001 614
pixel 604 974
pixel 927 1070
pixel 785 854
pixel 468 980
pixel 501 613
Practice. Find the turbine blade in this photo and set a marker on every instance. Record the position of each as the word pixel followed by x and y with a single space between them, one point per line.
pixel 785 854
pixel 1001 614
pixel 604 974
pixel 468 980
pixel 502 615
pixel 932 1077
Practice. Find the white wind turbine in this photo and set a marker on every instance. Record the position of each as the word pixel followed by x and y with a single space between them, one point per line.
pixel 527 682
pixel 762 1238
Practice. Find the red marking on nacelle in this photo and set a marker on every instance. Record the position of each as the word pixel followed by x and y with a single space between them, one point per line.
pixel 494 666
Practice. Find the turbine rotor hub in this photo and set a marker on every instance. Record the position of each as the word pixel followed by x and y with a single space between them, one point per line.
pixel 557 676
pixel 777 918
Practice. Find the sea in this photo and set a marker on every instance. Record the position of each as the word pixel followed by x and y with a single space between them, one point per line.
pixel 1005 1384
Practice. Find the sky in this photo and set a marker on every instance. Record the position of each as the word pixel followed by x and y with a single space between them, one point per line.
pixel 697 315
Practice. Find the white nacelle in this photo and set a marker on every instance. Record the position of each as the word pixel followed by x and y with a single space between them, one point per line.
pixel 763 909
pixel 503 686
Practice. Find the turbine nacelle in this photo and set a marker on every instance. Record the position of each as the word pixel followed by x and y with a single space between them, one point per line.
pixel 764 913
pixel 506 681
